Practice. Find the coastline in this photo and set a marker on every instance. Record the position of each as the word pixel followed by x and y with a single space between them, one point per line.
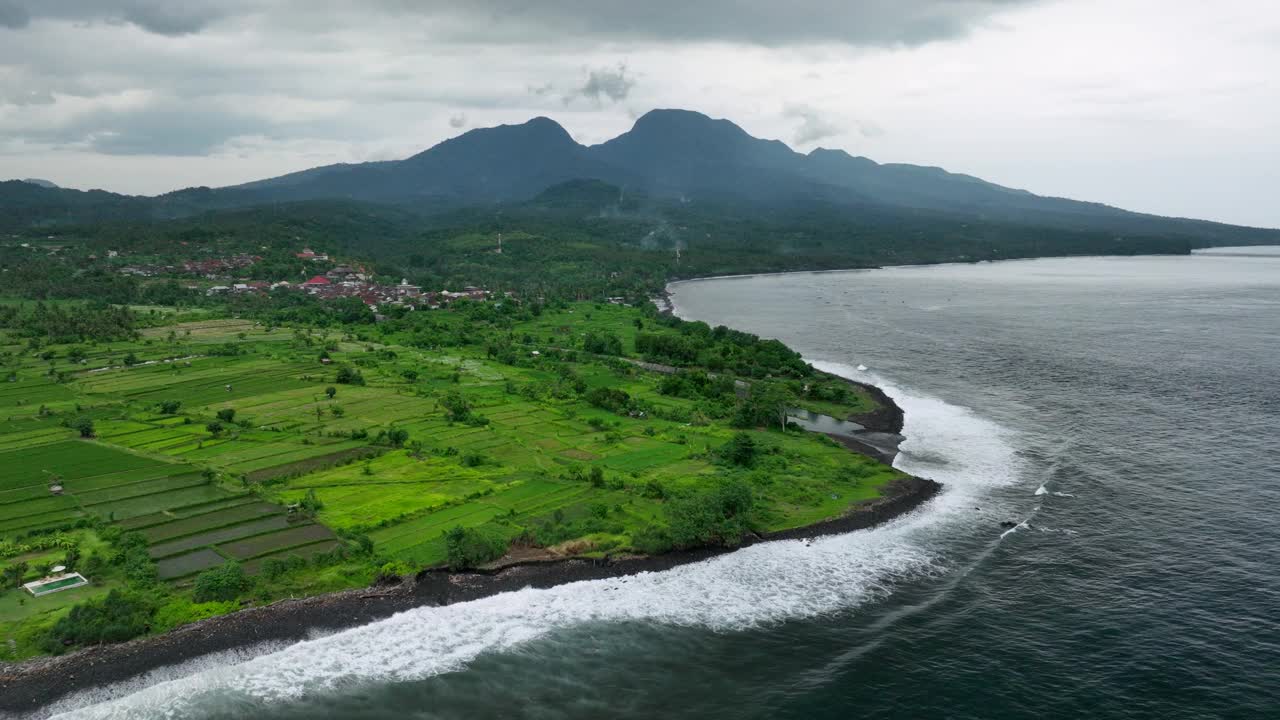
pixel 944 263
pixel 29 685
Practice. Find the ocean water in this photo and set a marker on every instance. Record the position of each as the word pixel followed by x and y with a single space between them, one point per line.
pixel 1124 412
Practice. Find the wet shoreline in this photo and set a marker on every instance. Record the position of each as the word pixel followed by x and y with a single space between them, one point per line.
pixel 28 686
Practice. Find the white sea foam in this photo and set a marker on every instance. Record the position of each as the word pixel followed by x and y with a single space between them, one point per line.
pixel 1041 490
pixel 1020 526
pixel 762 584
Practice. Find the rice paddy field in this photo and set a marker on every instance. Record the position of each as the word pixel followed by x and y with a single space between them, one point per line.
pixel 202 496
pixel 209 436
pixel 165 475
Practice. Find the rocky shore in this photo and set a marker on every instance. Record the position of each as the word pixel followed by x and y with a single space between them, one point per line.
pixel 886 418
pixel 27 686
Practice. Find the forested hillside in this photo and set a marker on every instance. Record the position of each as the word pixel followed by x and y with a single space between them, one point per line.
pixel 686 168
pixel 580 239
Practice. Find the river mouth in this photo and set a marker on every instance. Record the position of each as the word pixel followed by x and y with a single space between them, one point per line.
pixel 881 445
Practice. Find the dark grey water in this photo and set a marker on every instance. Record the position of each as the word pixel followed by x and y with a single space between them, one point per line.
pixel 1125 411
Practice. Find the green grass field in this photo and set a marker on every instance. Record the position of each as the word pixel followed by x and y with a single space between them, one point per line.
pixel 202 489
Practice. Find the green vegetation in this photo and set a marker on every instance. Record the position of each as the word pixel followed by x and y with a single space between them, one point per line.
pixel 203 462
pixel 718 515
pixel 120 615
pixel 469 547
pixel 224 583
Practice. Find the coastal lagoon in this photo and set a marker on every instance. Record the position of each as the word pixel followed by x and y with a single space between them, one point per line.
pixel 1105 545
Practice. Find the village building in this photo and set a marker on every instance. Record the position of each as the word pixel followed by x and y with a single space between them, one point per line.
pixel 309 254
pixel 345 273
pixel 315 283
pixel 404 289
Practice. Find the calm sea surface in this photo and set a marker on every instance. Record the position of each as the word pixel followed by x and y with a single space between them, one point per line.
pixel 1126 412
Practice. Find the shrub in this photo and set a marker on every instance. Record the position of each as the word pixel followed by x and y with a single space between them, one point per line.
pixel 651 540
pixel 14 574
pixel 273 568
pixel 169 407
pixel 602 343
pixel 181 611
pixel 718 516
pixel 654 490
pixel 609 399
pixel 397 437
pixel 119 616
pixel 83 425
pixel 131 555
pixel 221 583
pixel 348 376
pixel 740 451
pixel 227 349
pixel 310 503
pixel 471 547
pixel 394 570
pixel 93 565
pixel 456 406
pixel 227 415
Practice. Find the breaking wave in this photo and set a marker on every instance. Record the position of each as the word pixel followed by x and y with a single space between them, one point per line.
pixel 759 585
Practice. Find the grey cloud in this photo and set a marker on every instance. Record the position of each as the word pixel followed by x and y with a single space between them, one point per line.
pixel 163 17
pixel 26 97
pixel 173 131
pixel 764 22
pixel 165 128
pixel 605 83
pixel 458 121
pixel 13 15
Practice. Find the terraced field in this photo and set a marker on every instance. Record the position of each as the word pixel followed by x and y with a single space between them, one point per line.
pixel 186 546
pixel 202 489
pixel 150 472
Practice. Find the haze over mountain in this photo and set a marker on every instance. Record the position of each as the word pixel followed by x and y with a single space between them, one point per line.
pixel 40 182
pixel 672 155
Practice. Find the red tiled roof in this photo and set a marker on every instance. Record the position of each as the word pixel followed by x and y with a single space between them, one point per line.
pixel 317 280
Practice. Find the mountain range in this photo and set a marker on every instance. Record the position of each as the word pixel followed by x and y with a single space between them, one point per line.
pixel 670 155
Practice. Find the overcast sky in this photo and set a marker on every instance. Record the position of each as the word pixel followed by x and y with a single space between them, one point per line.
pixel 1166 106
